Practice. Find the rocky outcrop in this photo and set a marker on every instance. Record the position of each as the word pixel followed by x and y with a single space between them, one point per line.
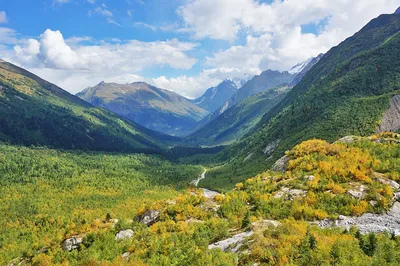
pixel 290 194
pixel 125 234
pixel 347 139
pixel 149 217
pixel 271 147
pixel 369 222
pixel 233 243
pixel 389 182
pixel 391 119
pixel 72 243
pixel 281 164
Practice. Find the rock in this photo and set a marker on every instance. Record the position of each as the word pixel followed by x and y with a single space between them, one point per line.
pixel 391 119
pixel 233 243
pixel 126 255
pixel 396 196
pixel 295 193
pixel 149 217
pixel 279 194
pixel 373 203
pixel 369 222
pixel 347 139
pixel 281 164
pixel 72 243
pixel 389 182
pixel 309 177
pixel 357 193
pixel 210 194
pixel 124 234
pixel 271 147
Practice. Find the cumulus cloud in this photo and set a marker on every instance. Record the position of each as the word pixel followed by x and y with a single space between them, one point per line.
pixel 274 31
pixel 83 65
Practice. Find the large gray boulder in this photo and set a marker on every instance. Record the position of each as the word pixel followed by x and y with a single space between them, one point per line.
pixel 124 234
pixel 281 164
pixel 149 217
pixel 72 243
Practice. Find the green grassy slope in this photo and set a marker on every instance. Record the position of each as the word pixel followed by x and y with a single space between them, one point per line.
pixel 238 120
pixel 49 194
pixel 36 112
pixel 346 93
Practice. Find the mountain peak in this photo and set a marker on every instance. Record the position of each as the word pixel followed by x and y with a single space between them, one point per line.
pixel 397 11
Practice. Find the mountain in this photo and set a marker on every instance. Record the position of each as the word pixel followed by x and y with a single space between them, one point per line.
pixel 238 120
pixel 348 92
pixel 304 69
pixel 397 11
pixel 216 96
pixel 268 79
pixel 36 112
pixel 151 107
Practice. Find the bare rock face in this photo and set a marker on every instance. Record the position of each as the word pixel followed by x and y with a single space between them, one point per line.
pixel 271 147
pixel 125 234
pixel 391 119
pixel 281 164
pixel 149 217
pixel 369 222
pixel 72 243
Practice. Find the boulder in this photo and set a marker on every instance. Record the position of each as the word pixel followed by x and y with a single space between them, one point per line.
pixel 358 192
pixel 389 182
pixel 149 217
pixel 233 243
pixel 72 243
pixel 125 256
pixel 124 234
pixel 281 164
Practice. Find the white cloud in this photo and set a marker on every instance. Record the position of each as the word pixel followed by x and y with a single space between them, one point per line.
pixel 103 10
pixel 274 37
pixel 60 2
pixel 8 36
pixel 78 66
pixel 193 87
pixel 3 17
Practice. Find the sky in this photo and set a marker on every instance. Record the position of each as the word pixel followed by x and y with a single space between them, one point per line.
pixel 184 46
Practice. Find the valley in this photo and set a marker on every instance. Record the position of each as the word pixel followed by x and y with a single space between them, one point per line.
pixel 281 167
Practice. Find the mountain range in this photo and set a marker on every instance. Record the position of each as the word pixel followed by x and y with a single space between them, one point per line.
pixel 149 106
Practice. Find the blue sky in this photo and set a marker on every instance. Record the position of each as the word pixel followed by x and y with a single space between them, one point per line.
pixel 181 45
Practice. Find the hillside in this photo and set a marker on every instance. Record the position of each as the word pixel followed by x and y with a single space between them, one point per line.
pixel 347 92
pixel 238 120
pixel 36 112
pixel 268 79
pixel 154 108
pixel 215 97
pixel 334 205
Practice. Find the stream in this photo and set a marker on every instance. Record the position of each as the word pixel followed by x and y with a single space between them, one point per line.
pixel 207 192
